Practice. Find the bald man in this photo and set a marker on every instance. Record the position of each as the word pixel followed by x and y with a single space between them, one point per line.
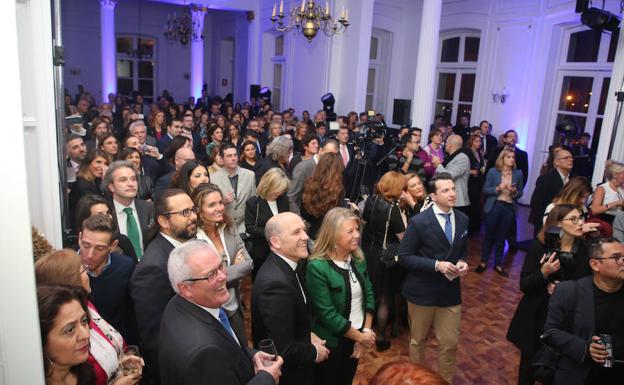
pixel 279 304
pixel 183 155
pixel 457 164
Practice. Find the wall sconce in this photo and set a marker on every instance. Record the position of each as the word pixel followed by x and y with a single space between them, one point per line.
pixel 500 95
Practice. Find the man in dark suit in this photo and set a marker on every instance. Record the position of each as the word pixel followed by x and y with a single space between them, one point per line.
pixel 182 155
pixel 173 129
pixel 133 215
pixel 579 312
pixel 435 260
pixel 347 154
pixel 109 275
pixel 176 219
pixel 548 186
pixel 510 138
pixel 279 305
pixel 490 143
pixel 463 128
pixel 303 171
pixel 201 347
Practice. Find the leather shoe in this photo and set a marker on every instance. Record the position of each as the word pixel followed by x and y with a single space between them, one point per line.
pixel 501 271
pixel 481 268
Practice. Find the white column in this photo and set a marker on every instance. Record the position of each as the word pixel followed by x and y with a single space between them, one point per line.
pixel 254 53
pixel 617 84
pixel 197 53
pixel 428 42
pixel 26 30
pixel 107 32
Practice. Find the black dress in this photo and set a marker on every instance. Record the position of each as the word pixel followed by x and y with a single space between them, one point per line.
pixel 385 281
pixel 475 189
pixel 528 321
pixel 79 189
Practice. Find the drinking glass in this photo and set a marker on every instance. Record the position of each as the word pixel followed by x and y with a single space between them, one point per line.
pixel 130 360
pixel 268 346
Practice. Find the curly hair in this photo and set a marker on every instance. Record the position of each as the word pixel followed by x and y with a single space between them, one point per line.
pixel 324 190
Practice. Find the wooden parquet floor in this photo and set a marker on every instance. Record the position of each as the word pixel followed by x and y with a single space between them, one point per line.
pixel 484 355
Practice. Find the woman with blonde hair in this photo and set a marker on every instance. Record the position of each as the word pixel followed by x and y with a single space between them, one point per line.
pixel 385 226
pixel 270 200
pixel 323 191
pixel 502 189
pixel 341 296
pixel 608 198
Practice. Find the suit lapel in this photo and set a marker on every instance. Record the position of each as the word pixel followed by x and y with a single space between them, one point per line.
pixel 460 229
pixel 290 275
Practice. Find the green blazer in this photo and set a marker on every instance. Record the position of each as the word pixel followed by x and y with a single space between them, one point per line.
pixel 329 288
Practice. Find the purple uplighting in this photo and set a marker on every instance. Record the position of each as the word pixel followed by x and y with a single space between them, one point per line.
pixel 109 70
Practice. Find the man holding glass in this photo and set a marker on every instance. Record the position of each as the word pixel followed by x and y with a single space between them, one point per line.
pixel 279 304
pixel 198 345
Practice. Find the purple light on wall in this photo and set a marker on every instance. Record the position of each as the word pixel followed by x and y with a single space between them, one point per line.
pixel 107 31
pixel 197 55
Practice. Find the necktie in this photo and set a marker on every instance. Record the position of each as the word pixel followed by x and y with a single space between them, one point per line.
pixel 133 232
pixel 223 318
pixel 448 227
pixel 344 154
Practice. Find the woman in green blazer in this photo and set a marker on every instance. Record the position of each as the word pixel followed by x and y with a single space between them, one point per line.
pixel 341 295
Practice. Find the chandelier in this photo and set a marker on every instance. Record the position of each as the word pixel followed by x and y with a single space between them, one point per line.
pixel 308 19
pixel 186 27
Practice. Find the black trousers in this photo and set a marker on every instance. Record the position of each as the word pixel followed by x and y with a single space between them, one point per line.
pixel 339 368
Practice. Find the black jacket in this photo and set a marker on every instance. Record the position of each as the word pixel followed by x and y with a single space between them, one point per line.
pixel 151 291
pixel 547 187
pixel 200 351
pixel 280 313
pixel 257 214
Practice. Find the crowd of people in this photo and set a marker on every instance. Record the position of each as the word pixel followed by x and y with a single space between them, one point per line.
pixel 343 234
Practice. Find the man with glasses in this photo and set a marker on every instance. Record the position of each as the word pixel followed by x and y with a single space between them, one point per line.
pixel 548 186
pixel 109 275
pixel 198 343
pixel 279 304
pixel 176 220
pixel 583 315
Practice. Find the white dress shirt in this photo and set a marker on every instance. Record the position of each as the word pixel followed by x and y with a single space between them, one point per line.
pixel 293 265
pixel 122 218
pixel 442 219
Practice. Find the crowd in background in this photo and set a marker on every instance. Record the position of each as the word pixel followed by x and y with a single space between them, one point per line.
pixel 173 205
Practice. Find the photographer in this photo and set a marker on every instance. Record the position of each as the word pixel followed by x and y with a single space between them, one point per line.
pixel 559 253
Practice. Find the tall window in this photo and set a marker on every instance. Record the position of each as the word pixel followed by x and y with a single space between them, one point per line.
pixel 278 70
pixel 457 68
pixel 136 66
pixel 378 70
pixel 583 78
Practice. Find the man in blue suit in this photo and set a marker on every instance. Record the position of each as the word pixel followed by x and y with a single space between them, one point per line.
pixel 433 251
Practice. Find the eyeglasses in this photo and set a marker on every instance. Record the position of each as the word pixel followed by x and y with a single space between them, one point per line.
pixel 618 258
pixel 574 220
pixel 211 276
pixel 566 157
pixel 186 212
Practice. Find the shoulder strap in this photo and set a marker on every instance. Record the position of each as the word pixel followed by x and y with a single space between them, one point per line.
pixel 387 224
pixel 257 206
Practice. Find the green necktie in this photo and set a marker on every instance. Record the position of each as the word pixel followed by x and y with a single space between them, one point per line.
pixel 133 232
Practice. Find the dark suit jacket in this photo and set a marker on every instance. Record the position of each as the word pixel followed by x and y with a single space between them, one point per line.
pixel 491 144
pixel 569 327
pixel 163 183
pixel 264 165
pixel 200 351
pixel 423 243
pixel 145 212
pixel 547 187
pixel 278 312
pixel 151 291
pixel 257 214
pixel 163 143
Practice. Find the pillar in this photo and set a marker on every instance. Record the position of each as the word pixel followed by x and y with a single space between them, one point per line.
pixel 428 42
pixel 197 52
pixel 107 32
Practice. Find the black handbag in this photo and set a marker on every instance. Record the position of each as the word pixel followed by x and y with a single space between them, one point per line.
pixel 389 251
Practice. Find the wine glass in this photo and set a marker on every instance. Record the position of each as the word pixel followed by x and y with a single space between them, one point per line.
pixel 130 360
pixel 268 346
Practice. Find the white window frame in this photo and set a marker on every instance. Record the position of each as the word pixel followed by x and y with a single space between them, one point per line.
pixel 381 65
pixel 135 62
pixel 275 61
pixel 459 68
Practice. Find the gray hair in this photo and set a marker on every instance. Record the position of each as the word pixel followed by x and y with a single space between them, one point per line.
pixel 134 125
pixel 280 148
pixel 116 165
pixel 177 266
